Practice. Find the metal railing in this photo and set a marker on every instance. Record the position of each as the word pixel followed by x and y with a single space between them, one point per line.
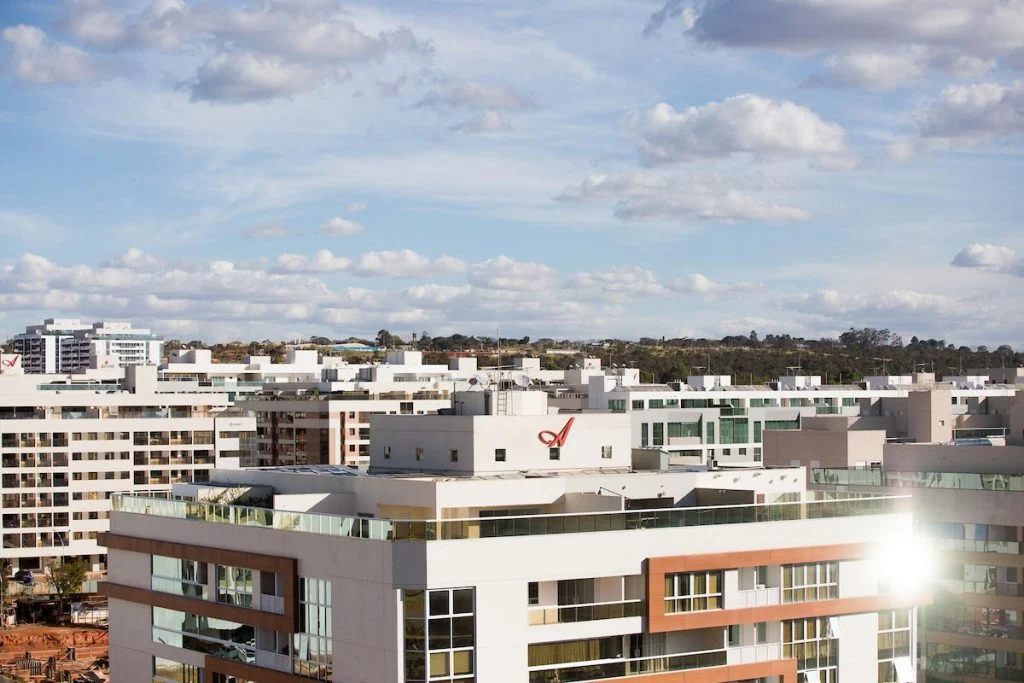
pixel 569 614
pixel 814 505
pixel 635 666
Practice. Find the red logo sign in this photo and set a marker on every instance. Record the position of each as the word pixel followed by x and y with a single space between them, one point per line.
pixel 549 438
pixel 10 363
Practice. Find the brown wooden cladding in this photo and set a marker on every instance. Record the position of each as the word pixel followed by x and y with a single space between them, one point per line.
pixel 657 567
pixel 784 668
pixel 286 567
pixel 247 672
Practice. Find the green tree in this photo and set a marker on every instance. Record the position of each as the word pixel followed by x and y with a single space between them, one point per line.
pixel 67 579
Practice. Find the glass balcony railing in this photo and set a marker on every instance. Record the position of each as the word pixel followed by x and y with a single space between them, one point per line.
pixel 570 614
pixel 929 480
pixel 619 668
pixel 814 505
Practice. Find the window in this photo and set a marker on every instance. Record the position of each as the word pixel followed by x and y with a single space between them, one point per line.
pixel 893 643
pixel 439 628
pixel 234 585
pixel 761 576
pixel 734 635
pixel 218 637
pixel 807 582
pixel 710 433
pixel 815 646
pixel 643 435
pixel 693 591
pixel 499 455
pixel 781 424
pixel 761 632
pixel 617 405
pixel 179 577
pixel 606 452
pixel 659 434
pixel 678 430
pixel 757 432
pixel 554 453
pixel 638 404
pixel 419 453
pixel 387 452
pixel 733 430
pixel 312 644
pixel 169 671
pixel 455 455
pixel 533 593
pixel 575 591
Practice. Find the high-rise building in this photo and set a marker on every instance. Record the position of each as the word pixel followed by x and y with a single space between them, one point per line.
pixel 64 345
pixel 69 442
pixel 523 546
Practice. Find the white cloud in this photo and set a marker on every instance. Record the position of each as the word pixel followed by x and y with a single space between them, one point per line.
pixel 322 261
pixel 341 227
pixel 974 29
pixel 873 70
pixel 403 263
pixel 682 198
pixel 270 231
pixel 618 283
pixel 504 273
pixel 135 259
pixel 162 25
pixel 991 258
pixel 435 296
pixel 248 77
pixel 485 122
pixel 696 283
pixel 885 305
pixel 474 95
pixel 744 124
pixel 37 59
pixel 975 113
pixel 357 207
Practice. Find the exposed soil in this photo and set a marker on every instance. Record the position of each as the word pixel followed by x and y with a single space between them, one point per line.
pixel 44 641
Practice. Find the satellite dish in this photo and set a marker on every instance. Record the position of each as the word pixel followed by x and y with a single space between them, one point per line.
pixel 473 381
pixel 522 381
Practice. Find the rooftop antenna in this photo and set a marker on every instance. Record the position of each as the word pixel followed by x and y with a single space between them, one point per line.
pixel 885 367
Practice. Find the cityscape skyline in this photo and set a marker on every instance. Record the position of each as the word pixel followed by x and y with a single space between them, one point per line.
pixel 606 169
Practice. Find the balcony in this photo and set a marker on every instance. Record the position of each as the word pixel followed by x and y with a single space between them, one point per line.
pixel 570 614
pixel 814 505
pixel 759 597
pixel 620 668
pixel 271 603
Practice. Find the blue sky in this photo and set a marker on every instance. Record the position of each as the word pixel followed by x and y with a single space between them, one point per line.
pixel 281 168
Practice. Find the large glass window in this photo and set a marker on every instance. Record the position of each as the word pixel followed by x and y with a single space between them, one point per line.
pixel 693 591
pixel 179 577
pixel 440 633
pixel 814 644
pixel 975 662
pixel 170 671
pixel 216 637
pixel 893 644
pixel 643 435
pixel 734 430
pixel 770 425
pixel 806 582
pixel 678 430
pixel 312 645
pixel 234 585
pixel 659 434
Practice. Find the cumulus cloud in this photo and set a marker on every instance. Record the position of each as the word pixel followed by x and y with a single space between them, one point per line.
pixel 35 58
pixel 502 272
pixel 247 77
pixel 322 261
pixel 161 25
pixel 744 124
pixel 699 284
pixel 618 283
pixel 682 198
pixel 435 296
pixel 886 305
pixel 403 263
pixel 872 70
pixel 341 227
pixel 485 122
pixel 991 258
pixel 976 28
pixel 270 231
pixel 975 113
pixel 474 95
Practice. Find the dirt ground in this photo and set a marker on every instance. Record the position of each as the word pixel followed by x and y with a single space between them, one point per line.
pixel 44 641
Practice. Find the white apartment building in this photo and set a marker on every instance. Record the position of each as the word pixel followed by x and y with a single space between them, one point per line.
pixel 710 419
pixel 523 547
pixel 69 442
pixel 65 345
